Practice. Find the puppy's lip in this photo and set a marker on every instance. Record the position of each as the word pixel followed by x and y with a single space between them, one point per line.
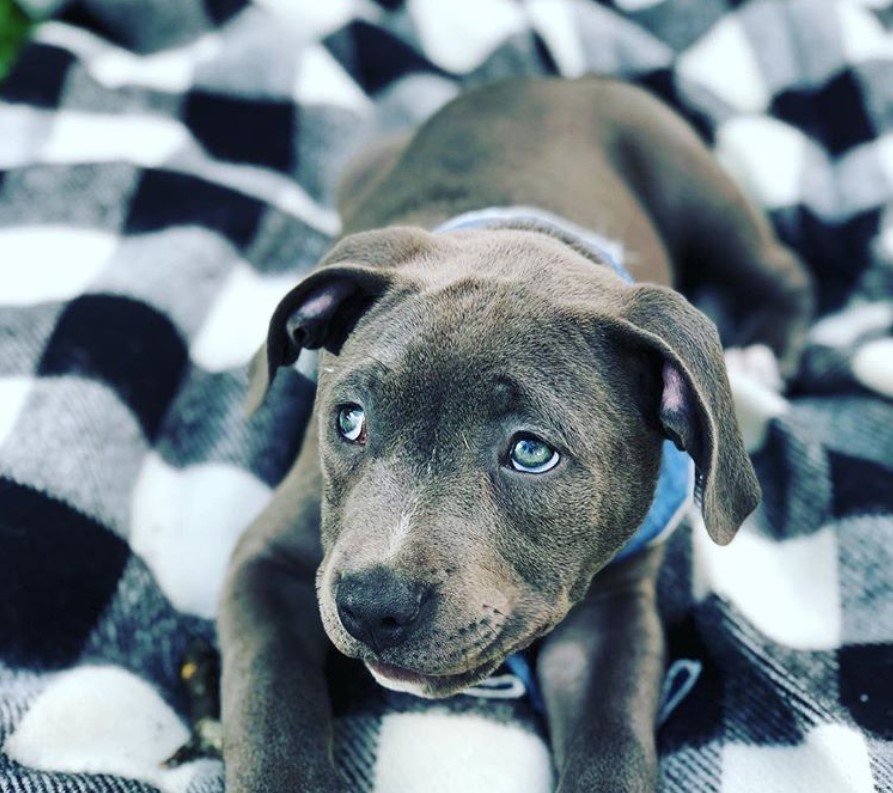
pixel 427 685
pixel 400 674
pixel 449 680
pixel 403 675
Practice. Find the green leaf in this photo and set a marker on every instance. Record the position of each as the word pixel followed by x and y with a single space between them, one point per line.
pixel 14 27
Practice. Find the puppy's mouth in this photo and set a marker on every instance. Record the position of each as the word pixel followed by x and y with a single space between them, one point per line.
pixel 437 686
pixel 398 678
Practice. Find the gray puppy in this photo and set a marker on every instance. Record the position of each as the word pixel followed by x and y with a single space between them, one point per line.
pixel 490 429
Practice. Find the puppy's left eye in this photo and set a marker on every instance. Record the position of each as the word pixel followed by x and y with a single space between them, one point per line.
pixel 530 455
pixel 351 423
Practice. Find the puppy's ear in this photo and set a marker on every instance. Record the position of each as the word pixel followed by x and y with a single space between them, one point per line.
pixel 322 309
pixel 318 312
pixel 696 410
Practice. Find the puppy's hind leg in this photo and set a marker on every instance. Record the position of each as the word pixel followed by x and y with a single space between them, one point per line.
pixel 723 248
pixel 730 263
pixel 756 290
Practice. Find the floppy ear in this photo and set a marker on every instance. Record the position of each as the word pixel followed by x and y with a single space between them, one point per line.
pixel 318 312
pixel 321 310
pixel 696 410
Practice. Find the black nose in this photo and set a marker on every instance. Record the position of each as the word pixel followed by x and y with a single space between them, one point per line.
pixel 379 608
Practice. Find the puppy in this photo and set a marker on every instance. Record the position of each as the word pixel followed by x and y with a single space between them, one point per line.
pixel 514 404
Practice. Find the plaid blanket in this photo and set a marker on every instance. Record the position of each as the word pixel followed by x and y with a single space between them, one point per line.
pixel 166 173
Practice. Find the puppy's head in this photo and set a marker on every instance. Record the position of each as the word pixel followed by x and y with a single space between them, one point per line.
pixel 491 409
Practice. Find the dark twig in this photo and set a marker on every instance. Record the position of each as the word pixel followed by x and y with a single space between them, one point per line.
pixel 200 673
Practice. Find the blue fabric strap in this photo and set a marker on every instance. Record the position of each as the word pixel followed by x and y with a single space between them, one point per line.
pixel 673 496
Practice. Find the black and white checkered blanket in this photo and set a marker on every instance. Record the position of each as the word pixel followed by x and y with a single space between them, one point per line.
pixel 166 173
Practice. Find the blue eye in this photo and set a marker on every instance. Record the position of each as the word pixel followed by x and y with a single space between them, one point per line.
pixel 351 423
pixel 530 455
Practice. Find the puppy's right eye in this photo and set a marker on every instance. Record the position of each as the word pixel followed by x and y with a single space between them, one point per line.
pixel 530 455
pixel 351 423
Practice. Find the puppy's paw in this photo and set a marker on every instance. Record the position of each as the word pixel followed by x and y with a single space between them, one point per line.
pixel 757 384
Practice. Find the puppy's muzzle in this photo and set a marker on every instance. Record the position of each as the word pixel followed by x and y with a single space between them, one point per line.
pixel 381 609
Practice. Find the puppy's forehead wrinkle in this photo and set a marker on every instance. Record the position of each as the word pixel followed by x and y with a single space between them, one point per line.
pixel 503 299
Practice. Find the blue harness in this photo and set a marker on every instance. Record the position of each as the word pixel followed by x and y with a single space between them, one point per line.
pixel 674 493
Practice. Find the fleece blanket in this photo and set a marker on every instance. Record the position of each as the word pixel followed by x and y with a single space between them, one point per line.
pixel 167 170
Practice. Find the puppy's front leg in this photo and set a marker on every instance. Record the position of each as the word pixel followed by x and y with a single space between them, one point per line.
pixel 276 713
pixel 600 671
